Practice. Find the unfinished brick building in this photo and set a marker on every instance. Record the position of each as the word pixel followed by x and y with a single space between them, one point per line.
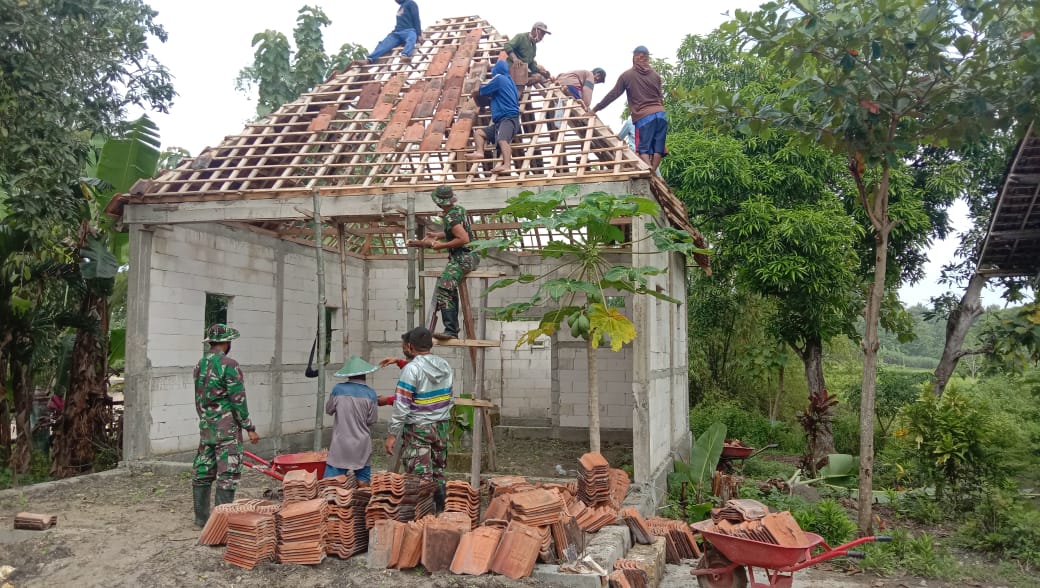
pixel 232 226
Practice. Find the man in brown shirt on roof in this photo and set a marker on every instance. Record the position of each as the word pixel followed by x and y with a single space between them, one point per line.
pixel 646 101
pixel 580 83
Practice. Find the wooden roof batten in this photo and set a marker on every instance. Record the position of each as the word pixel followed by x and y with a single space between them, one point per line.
pixel 380 134
pixel 1012 243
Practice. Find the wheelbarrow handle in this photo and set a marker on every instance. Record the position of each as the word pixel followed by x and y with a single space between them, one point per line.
pixel 255 462
pixel 760 450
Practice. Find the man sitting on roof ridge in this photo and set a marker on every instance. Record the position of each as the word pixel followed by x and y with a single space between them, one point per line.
pixel 407 32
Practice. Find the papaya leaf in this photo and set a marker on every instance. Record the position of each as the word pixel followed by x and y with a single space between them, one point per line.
pixel 608 321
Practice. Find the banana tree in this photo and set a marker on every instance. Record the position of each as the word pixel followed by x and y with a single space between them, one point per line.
pixel 102 250
pixel 575 290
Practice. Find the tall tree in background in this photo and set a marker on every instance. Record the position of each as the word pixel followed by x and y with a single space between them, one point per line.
pixel 278 75
pixel 877 81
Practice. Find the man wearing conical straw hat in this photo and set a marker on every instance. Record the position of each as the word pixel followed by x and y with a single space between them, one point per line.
pixel 353 404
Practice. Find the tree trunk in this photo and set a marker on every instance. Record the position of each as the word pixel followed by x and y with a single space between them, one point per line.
pixel 774 412
pixel 957 327
pixel 82 425
pixel 593 398
pixel 21 383
pixel 5 406
pixel 822 444
pixel 871 343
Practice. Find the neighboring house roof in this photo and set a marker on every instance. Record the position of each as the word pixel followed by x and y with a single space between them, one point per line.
pixel 1012 244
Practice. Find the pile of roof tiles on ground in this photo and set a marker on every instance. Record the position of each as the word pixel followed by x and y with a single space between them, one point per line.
pixel 216 530
pixel 399 497
pixel 34 522
pixel 628 574
pixel 347 532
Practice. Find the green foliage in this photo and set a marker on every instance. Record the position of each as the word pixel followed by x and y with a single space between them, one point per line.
pixel 1004 524
pixel 750 426
pixel 703 459
pixel 921 508
pixel 828 519
pixel 918 556
pixel 896 388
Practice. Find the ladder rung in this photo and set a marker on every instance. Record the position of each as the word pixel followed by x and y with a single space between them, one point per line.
pixel 466 342
pixel 472 274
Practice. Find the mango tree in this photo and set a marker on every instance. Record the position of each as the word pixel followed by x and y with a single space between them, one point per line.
pixel 573 294
pixel 876 82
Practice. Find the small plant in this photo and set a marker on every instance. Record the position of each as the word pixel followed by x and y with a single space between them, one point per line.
pixel 1002 524
pixel 827 519
pixel 704 458
pixel 817 421
pixel 920 508
pixel 919 556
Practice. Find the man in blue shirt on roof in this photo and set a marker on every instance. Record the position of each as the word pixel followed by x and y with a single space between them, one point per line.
pixel 505 117
pixel 407 32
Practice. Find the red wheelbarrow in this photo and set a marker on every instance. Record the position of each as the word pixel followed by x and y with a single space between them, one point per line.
pixel 724 564
pixel 311 461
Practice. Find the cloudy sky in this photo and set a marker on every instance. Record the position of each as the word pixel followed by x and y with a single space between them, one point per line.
pixel 209 42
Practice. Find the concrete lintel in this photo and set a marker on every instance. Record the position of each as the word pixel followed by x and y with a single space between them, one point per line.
pixel 367 205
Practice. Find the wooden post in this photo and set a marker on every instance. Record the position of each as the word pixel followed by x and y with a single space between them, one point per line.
pixel 489 431
pixel 319 401
pixel 478 389
pixel 341 231
pixel 409 231
pixel 420 234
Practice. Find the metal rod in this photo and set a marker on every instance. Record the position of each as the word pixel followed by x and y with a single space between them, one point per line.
pixel 319 401
pixel 410 230
pixel 343 313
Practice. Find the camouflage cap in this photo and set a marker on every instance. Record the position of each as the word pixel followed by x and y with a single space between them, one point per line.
pixel 219 333
pixel 442 195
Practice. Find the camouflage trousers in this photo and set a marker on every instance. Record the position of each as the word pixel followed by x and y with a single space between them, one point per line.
pixel 425 450
pixel 221 462
pixel 447 293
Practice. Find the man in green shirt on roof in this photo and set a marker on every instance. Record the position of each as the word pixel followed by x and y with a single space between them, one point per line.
pixel 523 47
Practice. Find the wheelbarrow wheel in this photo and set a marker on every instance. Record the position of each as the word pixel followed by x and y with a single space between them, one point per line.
pixel 712 559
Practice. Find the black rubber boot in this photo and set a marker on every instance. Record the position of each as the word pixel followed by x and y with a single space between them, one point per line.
pixel 438 499
pixel 451 324
pixel 200 496
pixel 224 497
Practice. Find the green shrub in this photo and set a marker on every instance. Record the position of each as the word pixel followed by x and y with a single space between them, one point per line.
pixel 748 425
pixel 1004 525
pixel 919 556
pixel 762 468
pixel 920 508
pixel 827 519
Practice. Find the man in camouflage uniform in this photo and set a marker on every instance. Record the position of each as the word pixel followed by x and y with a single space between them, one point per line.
pixel 220 401
pixel 422 410
pixel 456 235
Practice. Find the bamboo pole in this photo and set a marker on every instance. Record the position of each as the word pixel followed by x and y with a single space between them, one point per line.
pixel 319 401
pixel 410 230
pixel 343 313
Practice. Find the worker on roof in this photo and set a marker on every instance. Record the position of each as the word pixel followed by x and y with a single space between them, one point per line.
pixel 353 405
pixel 581 82
pixel 407 32
pixel 220 401
pixel 505 117
pixel 461 260
pixel 523 48
pixel 646 101
pixel 422 411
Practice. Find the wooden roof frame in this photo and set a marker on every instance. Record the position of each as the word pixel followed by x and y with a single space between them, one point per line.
pixel 1012 243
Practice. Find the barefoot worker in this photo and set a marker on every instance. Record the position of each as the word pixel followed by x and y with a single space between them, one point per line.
pixel 505 117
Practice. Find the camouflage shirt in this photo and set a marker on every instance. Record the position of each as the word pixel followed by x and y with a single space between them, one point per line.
pixel 456 215
pixel 220 399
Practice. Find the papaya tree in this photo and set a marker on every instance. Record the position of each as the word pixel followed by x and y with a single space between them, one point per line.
pixel 876 82
pixel 574 293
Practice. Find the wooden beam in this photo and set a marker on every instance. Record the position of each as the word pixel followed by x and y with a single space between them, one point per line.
pixel 472 274
pixel 476 402
pixel 466 343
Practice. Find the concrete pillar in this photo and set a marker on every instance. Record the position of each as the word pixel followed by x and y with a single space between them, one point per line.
pixel 137 420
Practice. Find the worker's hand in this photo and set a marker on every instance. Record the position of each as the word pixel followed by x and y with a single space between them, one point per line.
pixel 418 39
pixel 385 400
pixel 544 71
pixel 389 360
pixel 389 444
pixel 502 55
pixel 254 438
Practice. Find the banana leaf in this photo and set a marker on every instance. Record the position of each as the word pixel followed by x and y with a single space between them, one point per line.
pixel 705 457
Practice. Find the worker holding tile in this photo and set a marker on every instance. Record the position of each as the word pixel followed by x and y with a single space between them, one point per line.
pixel 354 407
pixel 522 49
pixel 642 85
pixel 422 411
pixel 220 401
pixel 461 260
pixel 407 32
pixel 581 82
pixel 505 118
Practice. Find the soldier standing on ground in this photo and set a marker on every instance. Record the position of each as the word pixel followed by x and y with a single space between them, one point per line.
pixel 220 401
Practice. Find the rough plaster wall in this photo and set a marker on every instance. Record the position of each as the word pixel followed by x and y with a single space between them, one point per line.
pixel 189 261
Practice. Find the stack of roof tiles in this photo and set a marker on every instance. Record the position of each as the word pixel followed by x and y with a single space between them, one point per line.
pixel 508 484
pixel 347 534
pixel 475 551
pixel 399 497
pixel 301 531
pixel 517 551
pixel 34 522
pixel 300 485
pixel 592 518
pixel 593 479
pixel 536 508
pixel 568 538
pixel 637 525
pixel 215 531
pixel 251 539
pixel 776 528
pixel 619 484
pixel 680 542
pixel 628 574
pixel 463 498
pixel 327 486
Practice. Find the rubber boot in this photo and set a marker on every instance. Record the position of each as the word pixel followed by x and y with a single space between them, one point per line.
pixel 438 499
pixel 200 496
pixel 224 497
pixel 451 324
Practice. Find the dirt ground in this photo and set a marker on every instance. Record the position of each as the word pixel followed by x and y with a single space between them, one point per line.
pixel 134 528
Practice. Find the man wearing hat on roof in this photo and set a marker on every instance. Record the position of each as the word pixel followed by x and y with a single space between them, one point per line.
pixel 646 102
pixel 456 235
pixel 581 82
pixel 220 401
pixel 422 410
pixel 523 48
pixel 353 404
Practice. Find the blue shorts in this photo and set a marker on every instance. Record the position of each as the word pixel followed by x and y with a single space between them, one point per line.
pixel 362 475
pixel 650 137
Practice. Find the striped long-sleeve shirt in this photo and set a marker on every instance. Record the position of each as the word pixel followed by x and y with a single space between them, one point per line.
pixel 424 392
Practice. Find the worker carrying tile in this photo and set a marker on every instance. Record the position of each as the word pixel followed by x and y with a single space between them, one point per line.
pixel 642 86
pixel 456 235
pixel 354 408
pixel 505 118
pixel 522 49
pixel 581 82
pixel 220 401
pixel 422 411
pixel 407 32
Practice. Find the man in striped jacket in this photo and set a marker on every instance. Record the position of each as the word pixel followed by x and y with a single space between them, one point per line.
pixel 422 409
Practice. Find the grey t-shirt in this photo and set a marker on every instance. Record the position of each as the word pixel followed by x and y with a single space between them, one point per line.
pixel 354 406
